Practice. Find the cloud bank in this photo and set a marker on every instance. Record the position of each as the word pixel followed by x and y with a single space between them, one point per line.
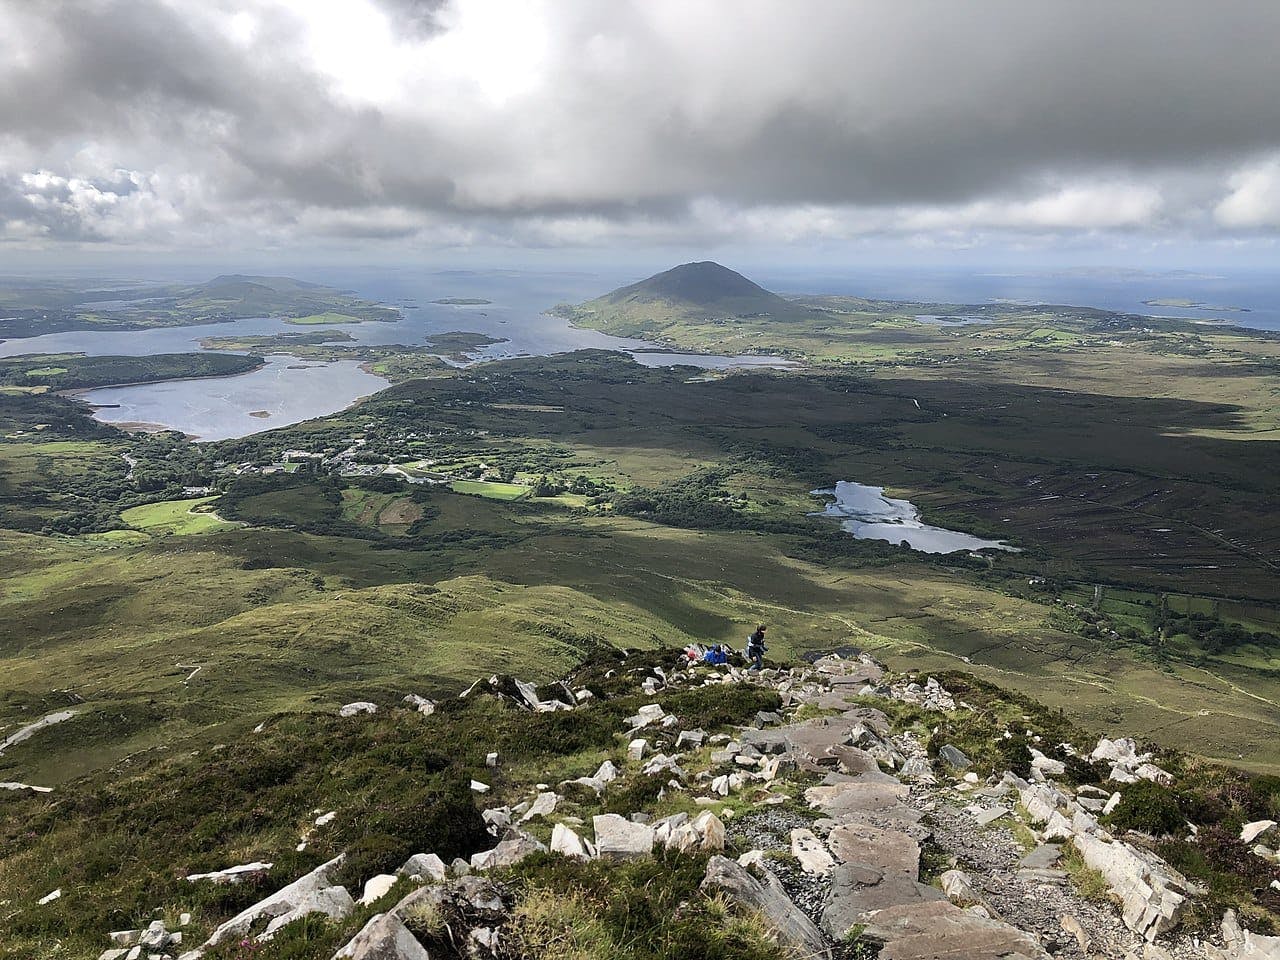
pixel 190 123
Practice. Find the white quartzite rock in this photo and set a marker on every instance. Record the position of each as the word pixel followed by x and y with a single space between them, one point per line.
pixel 506 854
pixel 360 706
pixel 619 839
pixel 384 937
pixel 1252 831
pixel 543 806
pixel 279 903
pixel 376 887
pixel 1153 893
pixel 334 902
pixel 567 843
pixel 811 852
pixel 428 866
pixel 421 704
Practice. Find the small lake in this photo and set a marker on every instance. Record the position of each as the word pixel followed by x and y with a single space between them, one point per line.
pixel 282 392
pixel 868 514
pixel 220 408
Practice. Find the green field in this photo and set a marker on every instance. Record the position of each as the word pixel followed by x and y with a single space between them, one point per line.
pixel 176 517
pixel 491 489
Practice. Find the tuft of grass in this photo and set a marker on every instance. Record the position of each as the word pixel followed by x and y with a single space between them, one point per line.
pixel 643 910
pixel 1089 883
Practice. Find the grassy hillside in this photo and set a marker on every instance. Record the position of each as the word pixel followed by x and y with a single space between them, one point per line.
pixel 338 588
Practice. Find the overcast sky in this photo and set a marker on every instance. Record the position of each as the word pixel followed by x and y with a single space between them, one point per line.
pixel 196 127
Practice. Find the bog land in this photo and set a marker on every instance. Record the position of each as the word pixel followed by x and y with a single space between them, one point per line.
pixel 520 514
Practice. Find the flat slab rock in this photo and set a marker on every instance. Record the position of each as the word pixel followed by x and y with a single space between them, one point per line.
pixel 1042 857
pixel 942 931
pixel 884 851
pixel 857 892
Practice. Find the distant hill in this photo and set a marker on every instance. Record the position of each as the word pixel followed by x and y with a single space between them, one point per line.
pixel 691 292
pixel 703 284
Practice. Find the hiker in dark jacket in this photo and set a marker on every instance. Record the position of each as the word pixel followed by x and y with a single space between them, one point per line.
pixel 756 648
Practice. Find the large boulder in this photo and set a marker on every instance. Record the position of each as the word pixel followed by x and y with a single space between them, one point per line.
pixel 567 843
pixel 766 897
pixel 384 937
pixel 506 854
pixel 334 902
pixel 424 866
pixel 619 839
pixel 279 903
pixel 1154 895
pixel 1242 945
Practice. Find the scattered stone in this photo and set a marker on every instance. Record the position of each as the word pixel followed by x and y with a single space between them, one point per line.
pixel 421 704
pixel 954 758
pixel 636 749
pixel 694 738
pixel 987 817
pixel 1043 857
pixel 607 772
pixel 543 806
pixel 360 706
pixel 50 897
pixel 276 905
pixel 232 874
pixel 478 787
pixel 958 888
pixel 491 759
pixel 506 854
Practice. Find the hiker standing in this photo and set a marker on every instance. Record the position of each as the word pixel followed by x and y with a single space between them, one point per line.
pixel 756 648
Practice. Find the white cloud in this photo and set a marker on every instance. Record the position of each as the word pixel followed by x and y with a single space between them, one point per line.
pixel 576 122
pixel 1254 200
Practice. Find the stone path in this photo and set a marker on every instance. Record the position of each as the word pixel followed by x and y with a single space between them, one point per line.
pixel 851 880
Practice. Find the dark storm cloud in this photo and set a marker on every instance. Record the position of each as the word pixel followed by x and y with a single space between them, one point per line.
pixel 388 116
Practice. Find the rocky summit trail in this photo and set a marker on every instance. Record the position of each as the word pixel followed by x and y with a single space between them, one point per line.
pixel 833 814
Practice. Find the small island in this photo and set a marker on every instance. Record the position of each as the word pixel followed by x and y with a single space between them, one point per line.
pixel 459 345
pixel 463 301
pixel 1184 303
pixel 276 341
pixel 40 373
